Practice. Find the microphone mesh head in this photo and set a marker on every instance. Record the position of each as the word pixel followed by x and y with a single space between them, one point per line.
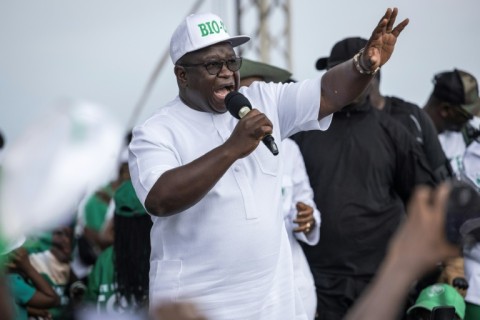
pixel 234 101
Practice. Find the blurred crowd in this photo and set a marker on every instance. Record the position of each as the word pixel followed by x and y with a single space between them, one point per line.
pixel 381 213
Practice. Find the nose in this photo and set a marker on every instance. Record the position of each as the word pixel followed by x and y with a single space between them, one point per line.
pixel 224 71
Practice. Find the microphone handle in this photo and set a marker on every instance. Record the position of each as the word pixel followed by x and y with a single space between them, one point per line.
pixel 270 143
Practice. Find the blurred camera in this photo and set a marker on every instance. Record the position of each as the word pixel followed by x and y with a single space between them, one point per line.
pixel 471 133
pixel 443 313
pixel 463 214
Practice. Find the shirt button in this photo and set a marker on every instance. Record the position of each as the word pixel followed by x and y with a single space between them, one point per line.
pixel 237 169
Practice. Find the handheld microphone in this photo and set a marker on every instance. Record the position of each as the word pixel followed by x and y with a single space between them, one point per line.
pixel 238 106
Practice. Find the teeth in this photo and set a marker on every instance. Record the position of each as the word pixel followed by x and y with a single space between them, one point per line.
pixel 222 92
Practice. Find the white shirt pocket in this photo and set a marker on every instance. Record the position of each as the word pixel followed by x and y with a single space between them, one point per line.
pixel 165 280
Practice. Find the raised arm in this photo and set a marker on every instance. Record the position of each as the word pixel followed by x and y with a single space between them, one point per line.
pixel 344 82
pixel 417 247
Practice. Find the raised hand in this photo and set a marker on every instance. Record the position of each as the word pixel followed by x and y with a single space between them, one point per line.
pixel 381 44
pixel 421 242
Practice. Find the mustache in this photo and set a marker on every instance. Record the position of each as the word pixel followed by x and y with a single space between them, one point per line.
pixel 59 245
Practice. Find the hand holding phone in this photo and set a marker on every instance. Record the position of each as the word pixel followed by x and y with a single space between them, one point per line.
pixel 462 223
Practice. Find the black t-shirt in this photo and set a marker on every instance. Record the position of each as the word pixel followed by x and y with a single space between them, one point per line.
pixel 362 170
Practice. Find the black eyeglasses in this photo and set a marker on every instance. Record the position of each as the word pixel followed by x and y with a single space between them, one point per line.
pixel 214 67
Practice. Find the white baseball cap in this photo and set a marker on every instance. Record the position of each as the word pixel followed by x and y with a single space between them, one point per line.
pixel 199 31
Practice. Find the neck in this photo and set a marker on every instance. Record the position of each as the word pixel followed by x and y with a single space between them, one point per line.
pixel 436 119
pixel 377 100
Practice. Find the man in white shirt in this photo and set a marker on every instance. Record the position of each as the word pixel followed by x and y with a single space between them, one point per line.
pixel 218 236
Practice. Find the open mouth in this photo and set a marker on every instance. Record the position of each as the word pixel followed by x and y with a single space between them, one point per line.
pixel 223 91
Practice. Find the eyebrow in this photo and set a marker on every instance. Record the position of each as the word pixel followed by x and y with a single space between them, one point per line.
pixel 216 57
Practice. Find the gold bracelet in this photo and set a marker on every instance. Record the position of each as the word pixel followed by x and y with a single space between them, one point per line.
pixel 359 67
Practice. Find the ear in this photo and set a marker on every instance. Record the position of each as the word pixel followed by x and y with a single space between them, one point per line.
pixel 444 110
pixel 182 76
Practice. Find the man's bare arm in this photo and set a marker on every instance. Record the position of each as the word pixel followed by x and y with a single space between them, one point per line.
pixel 178 189
pixel 343 83
pixel 417 247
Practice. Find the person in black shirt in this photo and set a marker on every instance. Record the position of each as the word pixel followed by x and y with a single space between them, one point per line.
pixel 363 171
pixel 412 117
pixel 419 124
